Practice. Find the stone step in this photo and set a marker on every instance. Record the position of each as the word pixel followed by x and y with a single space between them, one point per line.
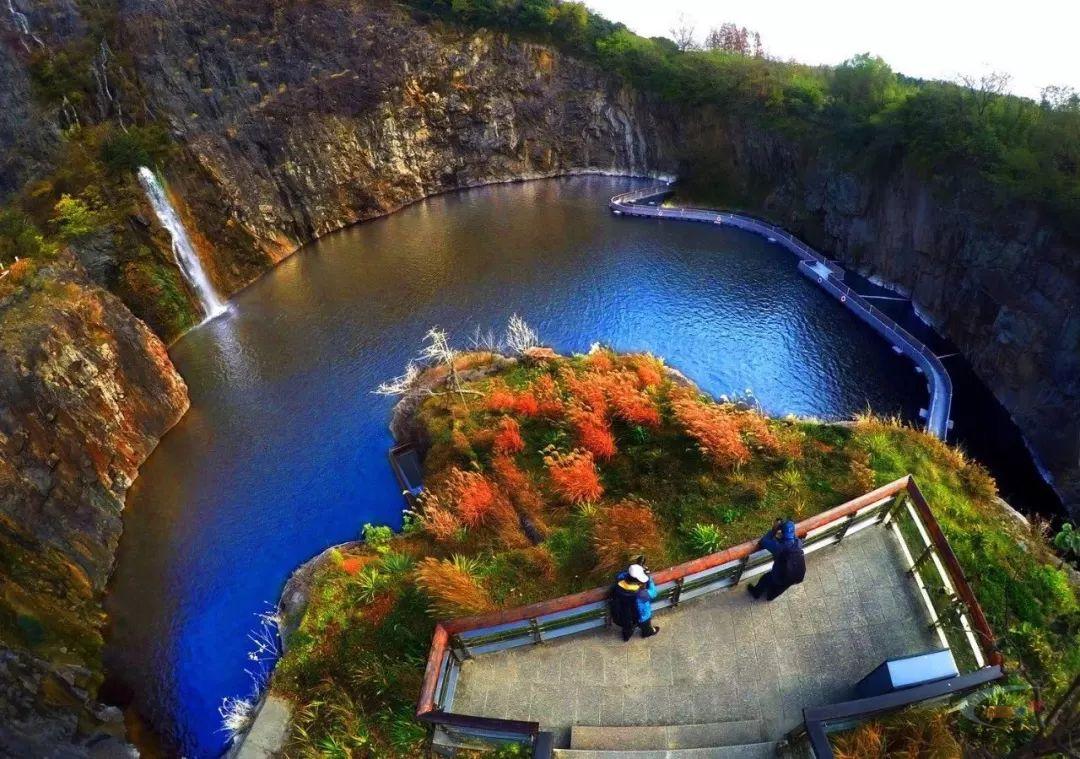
pixel 743 751
pixel 652 737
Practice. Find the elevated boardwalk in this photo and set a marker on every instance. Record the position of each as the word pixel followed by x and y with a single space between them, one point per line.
pixel 830 276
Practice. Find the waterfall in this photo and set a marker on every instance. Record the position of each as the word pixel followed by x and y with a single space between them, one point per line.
pixel 186 257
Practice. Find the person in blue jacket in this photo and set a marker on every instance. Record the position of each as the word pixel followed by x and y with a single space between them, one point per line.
pixel 789 564
pixel 631 602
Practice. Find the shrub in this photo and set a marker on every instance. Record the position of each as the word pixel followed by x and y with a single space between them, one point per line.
pixel 624 530
pixel 508 436
pixel 453 591
pixel 574 476
pixel 125 152
pixel 715 429
pixel 74 218
pixel 705 539
pixel 378 537
pixel 1067 540
pixel 19 238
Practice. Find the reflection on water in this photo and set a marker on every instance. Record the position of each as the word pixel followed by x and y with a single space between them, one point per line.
pixel 284 449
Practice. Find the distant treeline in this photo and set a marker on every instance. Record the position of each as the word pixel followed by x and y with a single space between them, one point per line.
pixel 861 110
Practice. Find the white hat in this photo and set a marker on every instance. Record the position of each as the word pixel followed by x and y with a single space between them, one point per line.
pixel 638 573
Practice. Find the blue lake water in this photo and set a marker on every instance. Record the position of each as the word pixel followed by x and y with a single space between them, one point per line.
pixel 283 452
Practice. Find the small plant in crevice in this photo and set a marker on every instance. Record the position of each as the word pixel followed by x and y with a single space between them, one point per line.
pixel 705 539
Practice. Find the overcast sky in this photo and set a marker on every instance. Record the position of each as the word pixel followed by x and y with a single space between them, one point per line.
pixel 1036 41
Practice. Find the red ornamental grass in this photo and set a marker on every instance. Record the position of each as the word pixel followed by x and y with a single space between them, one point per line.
pixel 629 403
pixel 716 430
pixel 508 436
pixel 753 425
pixel 593 432
pixel 574 476
pixel 648 370
pixel 600 361
pixel 623 530
pixel 499 398
pixel 472 495
pixel 547 395
pixel 587 389
pixel 526 404
pixel 351 565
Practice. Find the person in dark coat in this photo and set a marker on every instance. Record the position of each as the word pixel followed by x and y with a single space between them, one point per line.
pixel 789 564
pixel 631 602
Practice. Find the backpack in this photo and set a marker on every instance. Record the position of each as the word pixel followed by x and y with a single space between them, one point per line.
pixel 623 607
pixel 791 565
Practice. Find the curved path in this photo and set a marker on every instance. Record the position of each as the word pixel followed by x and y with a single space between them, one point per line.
pixel 828 275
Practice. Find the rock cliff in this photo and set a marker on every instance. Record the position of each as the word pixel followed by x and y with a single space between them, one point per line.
pixel 302 119
pixel 86 391
pixel 1002 284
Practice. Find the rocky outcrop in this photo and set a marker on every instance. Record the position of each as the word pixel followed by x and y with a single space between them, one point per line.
pixel 86 391
pixel 1002 283
pixel 301 119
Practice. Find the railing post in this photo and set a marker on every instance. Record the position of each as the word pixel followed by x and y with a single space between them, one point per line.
pixel 847 526
pixel 954 605
pixel 894 508
pixel 740 570
pixel 917 564
pixel 459 649
pixel 676 594
pixel 534 628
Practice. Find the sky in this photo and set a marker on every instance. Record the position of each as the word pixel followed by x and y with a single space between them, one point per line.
pixel 1035 41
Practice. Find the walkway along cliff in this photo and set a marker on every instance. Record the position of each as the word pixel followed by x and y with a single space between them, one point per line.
pixel 829 276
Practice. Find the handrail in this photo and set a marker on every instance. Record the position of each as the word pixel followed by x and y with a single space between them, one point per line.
pixel 816 718
pixel 481 723
pixel 447 646
pixel 713 560
pixel 987 641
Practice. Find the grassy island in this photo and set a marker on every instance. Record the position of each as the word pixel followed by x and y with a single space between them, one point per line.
pixel 544 474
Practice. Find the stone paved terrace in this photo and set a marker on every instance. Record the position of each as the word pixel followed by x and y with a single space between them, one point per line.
pixel 722 657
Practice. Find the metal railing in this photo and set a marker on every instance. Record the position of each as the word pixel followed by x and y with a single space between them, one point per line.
pixel 457 640
pixel 829 275
pixel 819 721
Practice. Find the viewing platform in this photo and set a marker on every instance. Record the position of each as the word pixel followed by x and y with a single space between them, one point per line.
pixel 727 676
pixel 721 659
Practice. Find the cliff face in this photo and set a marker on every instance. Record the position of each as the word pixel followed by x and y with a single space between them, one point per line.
pixel 300 120
pixel 1002 284
pixel 86 391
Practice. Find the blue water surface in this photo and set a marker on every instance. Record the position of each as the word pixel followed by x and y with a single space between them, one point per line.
pixel 283 452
